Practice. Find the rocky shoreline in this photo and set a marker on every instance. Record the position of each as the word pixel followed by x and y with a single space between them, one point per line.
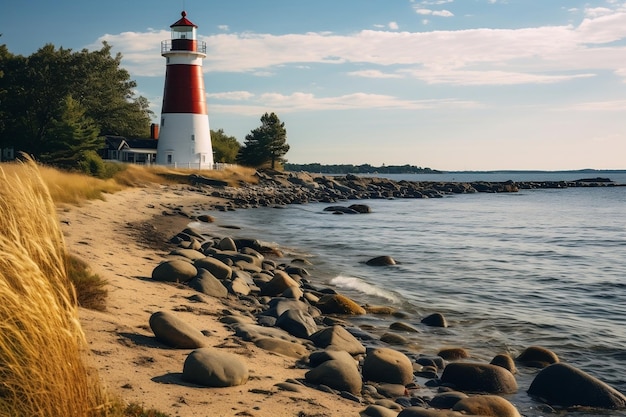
pixel 280 188
pixel 272 301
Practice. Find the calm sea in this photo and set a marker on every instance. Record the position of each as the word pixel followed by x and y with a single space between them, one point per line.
pixel 537 267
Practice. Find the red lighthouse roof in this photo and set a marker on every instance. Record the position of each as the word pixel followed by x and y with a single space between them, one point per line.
pixel 183 21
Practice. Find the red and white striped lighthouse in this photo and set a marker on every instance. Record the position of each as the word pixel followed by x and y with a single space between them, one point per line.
pixel 185 136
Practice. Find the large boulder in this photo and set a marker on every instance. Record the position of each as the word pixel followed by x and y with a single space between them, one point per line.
pixel 213 368
pixel 216 267
pixel 342 375
pixel 566 386
pixel 387 365
pixel 479 377
pixel 174 271
pixel 207 284
pixel 175 332
pixel 486 405
pixel 297 323
pixel 279 283
pixel 337 338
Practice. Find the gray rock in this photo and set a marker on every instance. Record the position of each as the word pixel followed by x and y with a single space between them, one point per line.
pixel 278 284
pixel 387 365
pixel 479 377
pixel 252 332
pixel 238 286
pixel 435 320
pixel 337 338
pixel 378 411
pixel 394 339
pixel 566 386
pixel 427 412
pixel 321 356
pixel 338 374
pixel 447 399
pixel 175 332
pixel 297 323
pixel 227 243
pixel 207 284
pixel 191 254
pixel 282 347
pixel 213 368
pixel 403 327
pixel 174 271
pixel 216 267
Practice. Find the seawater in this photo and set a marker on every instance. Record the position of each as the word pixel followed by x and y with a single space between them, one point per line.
pixel 539 267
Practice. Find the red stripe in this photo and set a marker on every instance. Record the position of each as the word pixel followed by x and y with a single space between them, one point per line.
pixel 184 90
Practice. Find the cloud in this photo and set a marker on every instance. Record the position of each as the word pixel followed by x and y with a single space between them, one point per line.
pixel 393 26
pixel 429 12
pixel 539 55
pixel 225 28
pixel 300 102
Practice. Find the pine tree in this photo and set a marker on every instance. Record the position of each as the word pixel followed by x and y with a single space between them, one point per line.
pixel 265 144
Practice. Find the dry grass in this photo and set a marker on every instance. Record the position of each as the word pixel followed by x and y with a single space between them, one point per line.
pixel 42 345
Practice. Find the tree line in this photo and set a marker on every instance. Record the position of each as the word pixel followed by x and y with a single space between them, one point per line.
pixel 359 169
pixel 58 105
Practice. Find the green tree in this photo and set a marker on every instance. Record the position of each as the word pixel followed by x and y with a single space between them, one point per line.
pixel 225 148
pixel 265 144
pixel 35 90
pixel 71 136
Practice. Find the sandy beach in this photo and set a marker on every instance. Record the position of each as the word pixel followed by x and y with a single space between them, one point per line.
pixel 122 238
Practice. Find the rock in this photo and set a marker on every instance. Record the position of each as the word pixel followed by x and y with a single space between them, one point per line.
pixel 205 218
pixel 190 254
pixel 252 332
pixel 239 286
pixel 321 356
pixel 566 386
pixel 426 412
pixel 279 305
pixel 174 271
pixel 216 267
pixel 505 361
pixel 227 243
pixel 451 354
pixel 387 365
pixel 342 375
pixel 435 320
pixel 447 399
pixel 479 377
pixel 378 411
pixel 278 284
pixel 282 347
pixel 341 210
pixel 403 327
pixel 537 357
pixel 339 304
pixel 486 405
pixel 381 261
pixel 337 338
pixel 175 332
pixel 360 208
pixel 294 293
pixel 394 339
pixel 297 323
pixel 207 284
pixel 213 368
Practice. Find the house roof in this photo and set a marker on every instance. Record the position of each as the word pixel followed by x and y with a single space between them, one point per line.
pixel 120 142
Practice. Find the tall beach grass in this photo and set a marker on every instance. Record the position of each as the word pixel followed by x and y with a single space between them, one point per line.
pixel 43 369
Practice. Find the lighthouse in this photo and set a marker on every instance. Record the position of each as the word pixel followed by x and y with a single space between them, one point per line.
pixel 185 136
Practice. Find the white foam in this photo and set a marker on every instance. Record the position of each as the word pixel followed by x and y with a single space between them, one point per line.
pixel 357 284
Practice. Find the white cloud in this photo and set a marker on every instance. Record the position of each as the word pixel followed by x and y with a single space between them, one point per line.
pixel 393 26
pixel 223 27
pixel 232 95
pixel 374 74
pixel 443 13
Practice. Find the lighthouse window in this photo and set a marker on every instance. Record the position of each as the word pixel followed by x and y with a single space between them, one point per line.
pixel 162 121
pixel 193 138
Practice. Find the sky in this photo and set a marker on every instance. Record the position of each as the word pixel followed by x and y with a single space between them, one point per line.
pixel 445 84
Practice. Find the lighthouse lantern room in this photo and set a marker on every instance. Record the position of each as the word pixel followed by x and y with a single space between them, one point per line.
pixel 185 136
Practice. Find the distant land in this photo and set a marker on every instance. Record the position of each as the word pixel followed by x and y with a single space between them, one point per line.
pixel 412 169
pixel 359 169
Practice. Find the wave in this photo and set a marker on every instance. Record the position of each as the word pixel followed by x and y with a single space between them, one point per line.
pixel 357 284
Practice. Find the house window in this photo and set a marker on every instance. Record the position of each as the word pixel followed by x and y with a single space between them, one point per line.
pixel 169 158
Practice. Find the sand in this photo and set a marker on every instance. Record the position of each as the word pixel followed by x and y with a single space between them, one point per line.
pixel 122 238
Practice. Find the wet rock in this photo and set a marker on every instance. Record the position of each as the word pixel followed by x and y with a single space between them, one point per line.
pixel 487 405
pixel 394 339
pixel 213 368
pixel 176 333
pixel 537 357
pixel 566 386
pixel 479 377
pixel 174 271
pixel 339 304
pixel 227 244
pixel 360 208
pixel 381 261
pixel 452 354
pixel 505 361
pixel 435 320
pixel 387 365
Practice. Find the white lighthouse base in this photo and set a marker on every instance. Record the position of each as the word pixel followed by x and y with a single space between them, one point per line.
pixel 185 141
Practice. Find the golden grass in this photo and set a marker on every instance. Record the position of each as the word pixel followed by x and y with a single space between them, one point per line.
pixel 42 345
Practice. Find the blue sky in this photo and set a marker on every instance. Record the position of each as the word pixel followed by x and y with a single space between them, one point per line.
pixel 445 84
